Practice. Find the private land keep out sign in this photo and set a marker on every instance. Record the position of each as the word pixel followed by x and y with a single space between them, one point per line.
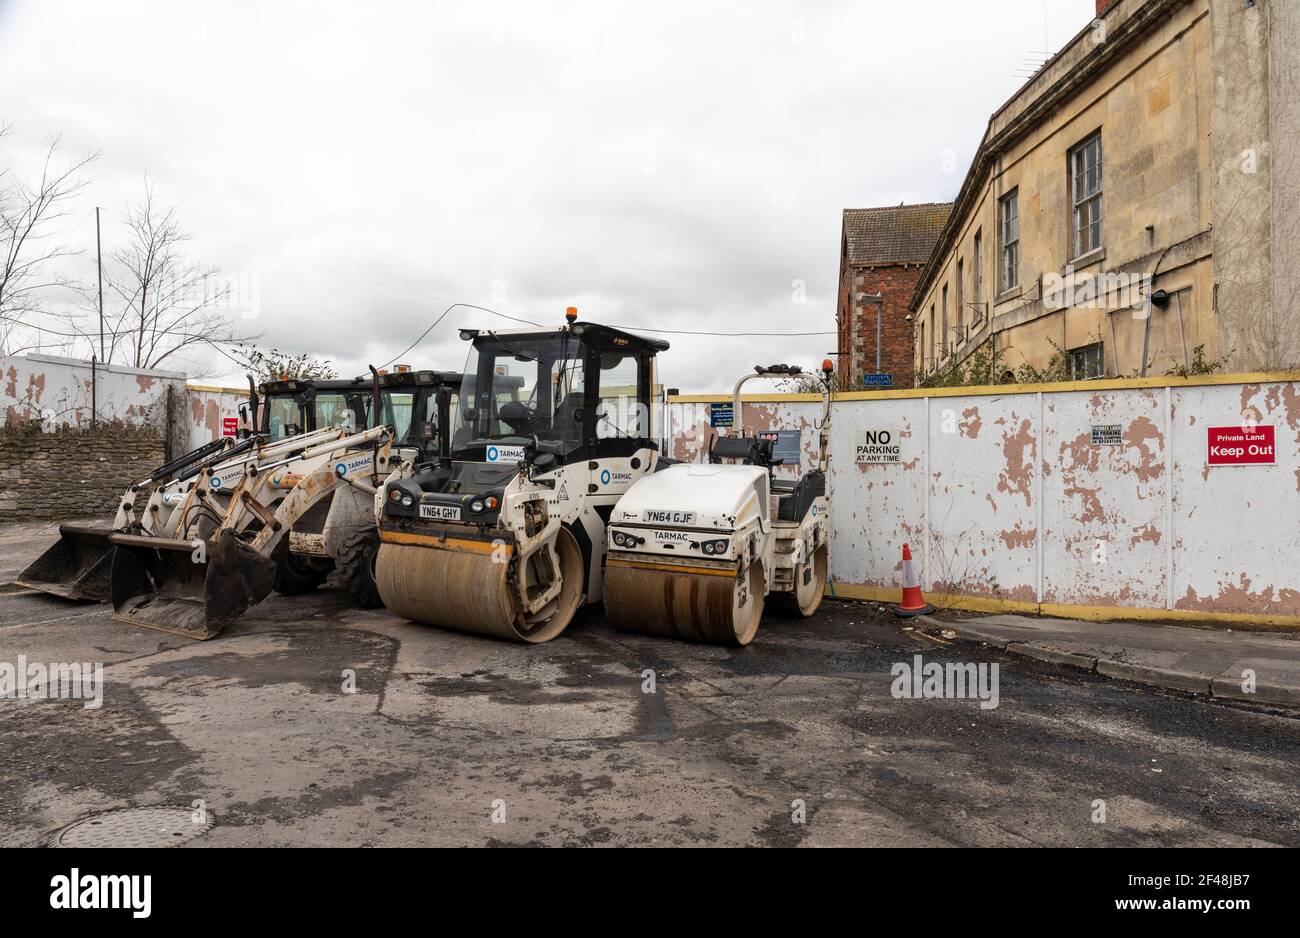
pixel 1240 446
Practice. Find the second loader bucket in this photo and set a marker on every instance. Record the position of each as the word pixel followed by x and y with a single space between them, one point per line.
pixel 77 566
pixel 179 587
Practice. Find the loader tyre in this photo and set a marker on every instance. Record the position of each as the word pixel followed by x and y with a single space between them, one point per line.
pixel 296 575
pixel 354 558
pixel 809 588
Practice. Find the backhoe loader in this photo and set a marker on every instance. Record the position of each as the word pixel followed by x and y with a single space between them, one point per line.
pixel 77 566
pixel 284 523
pixel 285 416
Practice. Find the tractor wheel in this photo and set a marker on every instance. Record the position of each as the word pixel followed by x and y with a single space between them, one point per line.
pixel 355 561
pixel 296 574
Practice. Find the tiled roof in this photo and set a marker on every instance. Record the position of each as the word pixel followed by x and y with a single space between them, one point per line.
pixel 898 234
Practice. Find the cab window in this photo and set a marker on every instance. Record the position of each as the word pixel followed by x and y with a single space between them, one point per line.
pixel 334 410
pixel 283 417
pixel 619 412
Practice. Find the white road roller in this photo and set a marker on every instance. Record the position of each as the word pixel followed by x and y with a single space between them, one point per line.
pixel 694 550
pixel 505 536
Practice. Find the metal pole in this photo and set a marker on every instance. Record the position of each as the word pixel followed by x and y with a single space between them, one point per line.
pixel 879 309
pixel 1182 335
pixel 1146 336
pixel 99 263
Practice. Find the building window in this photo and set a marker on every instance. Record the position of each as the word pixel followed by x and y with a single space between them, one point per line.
pixel 1087 363
pixel 1085 187
pixel 961 292
pixel 1009 212
pixel 920 351
pixel 979 275
pixel 943 339
pixel 931 364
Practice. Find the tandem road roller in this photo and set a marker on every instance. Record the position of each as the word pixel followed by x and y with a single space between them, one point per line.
pixel 507 534
pixel 695 550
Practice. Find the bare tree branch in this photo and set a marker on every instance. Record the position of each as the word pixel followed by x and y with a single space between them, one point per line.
pixel 29 213
pixel 163 302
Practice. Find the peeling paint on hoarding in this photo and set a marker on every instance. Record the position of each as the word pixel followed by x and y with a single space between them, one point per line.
pixel 1023 512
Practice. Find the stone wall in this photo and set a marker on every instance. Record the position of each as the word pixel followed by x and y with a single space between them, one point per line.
pixel 71 473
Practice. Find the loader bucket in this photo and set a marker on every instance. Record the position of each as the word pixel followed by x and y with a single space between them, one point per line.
pixel 173 586
pixel 77 566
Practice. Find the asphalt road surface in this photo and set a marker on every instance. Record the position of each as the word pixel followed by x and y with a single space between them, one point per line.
pixel 451 739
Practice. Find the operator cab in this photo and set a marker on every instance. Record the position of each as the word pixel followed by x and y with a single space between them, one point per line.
pixel 579 392
pixel 283 411
pixel 408 403
pixel 543 399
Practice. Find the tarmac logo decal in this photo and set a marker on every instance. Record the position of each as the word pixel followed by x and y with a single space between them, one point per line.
pixel 505 454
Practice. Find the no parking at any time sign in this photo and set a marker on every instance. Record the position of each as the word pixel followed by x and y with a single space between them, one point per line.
pixel 1240 446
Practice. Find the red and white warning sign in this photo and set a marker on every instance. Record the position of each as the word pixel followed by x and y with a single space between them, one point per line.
pixel 229 426
pixel 1240 446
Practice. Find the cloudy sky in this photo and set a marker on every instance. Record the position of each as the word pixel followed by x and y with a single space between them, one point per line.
pixel 676 165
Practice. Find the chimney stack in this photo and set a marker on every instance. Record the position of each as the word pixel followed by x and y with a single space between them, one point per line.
pixel 1104 5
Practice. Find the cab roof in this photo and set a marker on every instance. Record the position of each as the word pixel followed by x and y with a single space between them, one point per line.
pixel 400 379
pixel 600 336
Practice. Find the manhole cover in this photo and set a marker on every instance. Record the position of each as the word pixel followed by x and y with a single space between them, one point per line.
pixel 164 826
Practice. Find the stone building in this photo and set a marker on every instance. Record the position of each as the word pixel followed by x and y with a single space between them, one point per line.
pixel 882 254
pixel 1139 192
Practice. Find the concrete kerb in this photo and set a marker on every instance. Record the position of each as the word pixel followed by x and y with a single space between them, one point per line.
pixel 1193 682
pixel 1052 655
pixel 1277 695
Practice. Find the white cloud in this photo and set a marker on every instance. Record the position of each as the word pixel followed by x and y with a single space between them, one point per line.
pixel 675 165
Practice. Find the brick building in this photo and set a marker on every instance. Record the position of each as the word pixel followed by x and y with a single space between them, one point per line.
pixel 883 251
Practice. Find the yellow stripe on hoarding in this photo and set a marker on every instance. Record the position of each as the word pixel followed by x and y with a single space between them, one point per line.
pixel 993 390
pixel 1088 613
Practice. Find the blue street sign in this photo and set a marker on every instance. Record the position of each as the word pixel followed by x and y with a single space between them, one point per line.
pixel 877 381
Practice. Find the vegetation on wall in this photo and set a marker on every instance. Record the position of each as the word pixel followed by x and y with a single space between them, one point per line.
pixel 274 365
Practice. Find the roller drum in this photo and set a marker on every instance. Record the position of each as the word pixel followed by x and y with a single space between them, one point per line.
pixel 698 606
pixel 466 589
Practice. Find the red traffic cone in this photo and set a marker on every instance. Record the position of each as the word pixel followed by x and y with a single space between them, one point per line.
pixel 914 603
